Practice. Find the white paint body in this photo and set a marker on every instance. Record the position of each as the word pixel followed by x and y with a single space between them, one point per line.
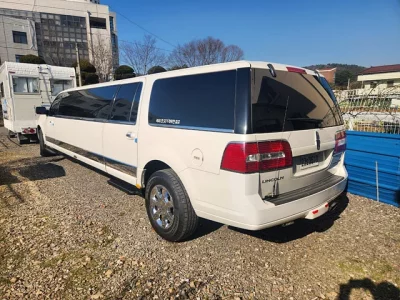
pixel 19 108
pixel 219 195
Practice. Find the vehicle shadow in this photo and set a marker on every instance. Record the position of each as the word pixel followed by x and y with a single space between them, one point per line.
pixel 30 170
pixel 204 228
pixel 382 291
pixel 301 227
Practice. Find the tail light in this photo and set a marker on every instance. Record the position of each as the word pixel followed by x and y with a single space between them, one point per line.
pixel 296 70
pixel 340 141
pixel 28 130
pixel 257 157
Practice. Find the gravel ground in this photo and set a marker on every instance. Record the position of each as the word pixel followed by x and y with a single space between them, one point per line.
pixel 66 234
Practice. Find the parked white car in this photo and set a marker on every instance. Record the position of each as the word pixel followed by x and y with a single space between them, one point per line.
pixel 248 144
pixel 26 86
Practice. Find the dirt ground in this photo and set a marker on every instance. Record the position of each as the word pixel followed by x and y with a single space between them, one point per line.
pixel 66 234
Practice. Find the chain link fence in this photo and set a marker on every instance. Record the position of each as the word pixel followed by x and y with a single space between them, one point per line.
pixel 371 110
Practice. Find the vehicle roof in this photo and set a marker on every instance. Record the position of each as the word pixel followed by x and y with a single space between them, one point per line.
pixel 28 68
pixel 196 70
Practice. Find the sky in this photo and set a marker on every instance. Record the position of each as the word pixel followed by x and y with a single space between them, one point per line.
pixel 297 32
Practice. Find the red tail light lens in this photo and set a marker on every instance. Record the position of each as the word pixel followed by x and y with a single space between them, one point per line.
pixel 257 157
pixel 340 141
pixel 240 157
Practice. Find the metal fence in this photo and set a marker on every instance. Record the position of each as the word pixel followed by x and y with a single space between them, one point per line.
pixel 371 110
pixel 373 163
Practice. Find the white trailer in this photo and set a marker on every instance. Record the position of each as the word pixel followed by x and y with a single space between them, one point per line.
pixel 25 86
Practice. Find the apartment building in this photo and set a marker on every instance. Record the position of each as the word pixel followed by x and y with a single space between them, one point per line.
pixel 52 28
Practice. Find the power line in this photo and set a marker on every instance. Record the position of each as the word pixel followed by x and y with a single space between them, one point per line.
pixel 141 27
pixel 97 34
pixel 71 9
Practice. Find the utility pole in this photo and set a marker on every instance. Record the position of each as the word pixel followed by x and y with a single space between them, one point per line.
pixel 348 83
pixel 78 66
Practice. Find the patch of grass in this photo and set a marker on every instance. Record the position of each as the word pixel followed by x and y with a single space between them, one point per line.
pixel 52 262
pixel 378 272
pixel 81 276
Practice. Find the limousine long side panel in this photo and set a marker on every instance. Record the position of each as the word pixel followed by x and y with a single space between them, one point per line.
pixel 82 138
pixel 120 150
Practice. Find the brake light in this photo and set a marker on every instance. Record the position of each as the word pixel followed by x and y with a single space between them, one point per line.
pixel 340 141
pixel 28 130
pixel 296 70
pixel 257 157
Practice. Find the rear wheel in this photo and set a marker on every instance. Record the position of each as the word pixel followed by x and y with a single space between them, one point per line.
pixel 168 207
pixel 42 146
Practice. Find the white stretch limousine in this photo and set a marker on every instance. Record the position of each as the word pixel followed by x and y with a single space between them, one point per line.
pixel 249 144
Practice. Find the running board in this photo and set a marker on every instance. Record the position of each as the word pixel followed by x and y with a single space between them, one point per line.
pixel 123 186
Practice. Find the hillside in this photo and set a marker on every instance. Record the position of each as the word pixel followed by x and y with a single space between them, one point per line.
pixel 354 69
pixel 343 72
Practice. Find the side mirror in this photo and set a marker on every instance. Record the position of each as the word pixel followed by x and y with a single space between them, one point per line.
pixel 41 110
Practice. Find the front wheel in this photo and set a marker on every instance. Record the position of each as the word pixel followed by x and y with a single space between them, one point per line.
pixel 168 207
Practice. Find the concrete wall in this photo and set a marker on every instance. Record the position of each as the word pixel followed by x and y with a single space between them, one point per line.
pixel 9 49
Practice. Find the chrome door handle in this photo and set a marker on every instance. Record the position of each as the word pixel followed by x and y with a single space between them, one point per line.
pixel 130 135
pixel 51 123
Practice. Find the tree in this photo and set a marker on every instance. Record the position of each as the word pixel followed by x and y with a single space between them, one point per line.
pixel 204 52
pixel 176 67
pixel 88 72
pixel 156 69
pixel 86 66
pixel 342 77
pixel 32 59
pixel 142 54
pixel 90 78
pixel 102 57
pixel 123 72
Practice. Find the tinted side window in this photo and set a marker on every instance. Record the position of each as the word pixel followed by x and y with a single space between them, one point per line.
pixel 204 100
pixel 55 105
pixel 91 103
pixel 121 110
pixel 135 106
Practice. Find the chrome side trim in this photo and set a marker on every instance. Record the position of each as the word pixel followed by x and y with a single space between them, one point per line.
pixel 95 120
pixel 117 165
pixel 192 128
pixel 93 156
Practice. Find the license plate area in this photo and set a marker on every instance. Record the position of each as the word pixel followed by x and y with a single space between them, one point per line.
pixel 308 161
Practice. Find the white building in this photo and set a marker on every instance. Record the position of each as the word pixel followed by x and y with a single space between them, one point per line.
pixel 52 28
pixel 380 78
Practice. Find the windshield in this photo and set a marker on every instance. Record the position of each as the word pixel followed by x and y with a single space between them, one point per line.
pixel 292 101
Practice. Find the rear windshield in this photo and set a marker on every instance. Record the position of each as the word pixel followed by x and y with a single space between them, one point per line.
pixel 291 101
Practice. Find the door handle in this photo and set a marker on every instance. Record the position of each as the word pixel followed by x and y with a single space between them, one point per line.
pixel 130 135
pixel 51 123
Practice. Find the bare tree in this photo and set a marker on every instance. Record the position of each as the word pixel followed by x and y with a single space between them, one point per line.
pixel 204 52
pixel 142 55
pixel 101 57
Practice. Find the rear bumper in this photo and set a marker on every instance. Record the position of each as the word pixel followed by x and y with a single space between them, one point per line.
pixel 320 202
pixel 241 206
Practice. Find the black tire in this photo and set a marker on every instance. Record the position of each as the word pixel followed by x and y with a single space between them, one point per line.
pixel 185 219
pixel 43 149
